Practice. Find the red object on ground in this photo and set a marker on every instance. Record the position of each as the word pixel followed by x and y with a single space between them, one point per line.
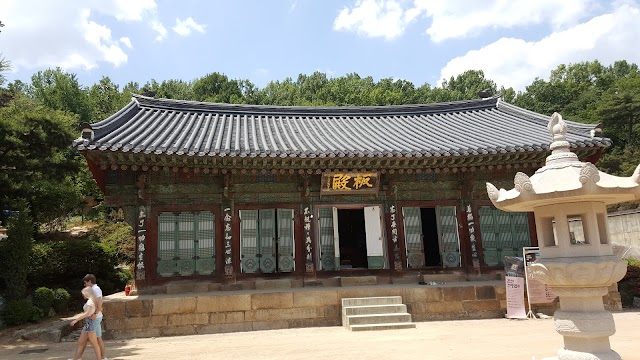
pixel 127 290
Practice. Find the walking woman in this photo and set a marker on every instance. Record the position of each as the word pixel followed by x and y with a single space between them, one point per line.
pixel 88 328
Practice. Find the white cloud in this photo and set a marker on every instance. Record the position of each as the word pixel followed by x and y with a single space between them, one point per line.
pixel 515 62
pixel 125 10
pixel 374 18
pixel 126 41
pixel 184 27
pixel 452 19
pixel 160 29
pixel 72 34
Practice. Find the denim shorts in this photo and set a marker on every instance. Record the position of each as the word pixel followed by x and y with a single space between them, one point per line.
pixel 97 324
pixel 88 325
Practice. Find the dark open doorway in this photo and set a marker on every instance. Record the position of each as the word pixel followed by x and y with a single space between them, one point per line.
pixel 430 236
pixel 353 240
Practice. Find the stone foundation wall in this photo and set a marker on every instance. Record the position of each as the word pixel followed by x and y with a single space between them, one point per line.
pixel 205 313
pixel 217 312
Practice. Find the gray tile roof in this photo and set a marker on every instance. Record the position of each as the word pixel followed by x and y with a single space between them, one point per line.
pixel 473 127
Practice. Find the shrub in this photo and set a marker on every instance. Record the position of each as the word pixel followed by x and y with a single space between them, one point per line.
pixel 43 298
pixel 64 263
pixel 61 300
pixel 21 312
pixel 117 240
pixel 125 276
pixel 14 255
pixel 629 286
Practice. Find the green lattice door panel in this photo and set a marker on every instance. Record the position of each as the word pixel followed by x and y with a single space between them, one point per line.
pixel 521 235
pixel 448 235
pixel 267 237
pixel 488 235
pixel 259 250
pixel 206 249
pixel 167 265
pixel 286 249
pixel 414 240
pixel 502 234
pixel 186 244
pixel 249 260
pixel 327 246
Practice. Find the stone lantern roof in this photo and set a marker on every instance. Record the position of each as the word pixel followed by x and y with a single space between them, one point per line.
pixel 564 179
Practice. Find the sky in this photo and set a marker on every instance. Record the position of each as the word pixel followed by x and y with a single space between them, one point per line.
pixel 422 41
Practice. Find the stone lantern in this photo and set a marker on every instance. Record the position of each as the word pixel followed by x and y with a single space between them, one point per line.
pixel 569 199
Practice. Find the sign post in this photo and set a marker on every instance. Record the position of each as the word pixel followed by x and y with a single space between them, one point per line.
pixel 537 292
pixel 529 251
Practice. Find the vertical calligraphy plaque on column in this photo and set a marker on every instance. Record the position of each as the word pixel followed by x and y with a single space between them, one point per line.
pixel 397 262
pixel 141 240
pixel 309 268
pixel 472 239
pixel 228 259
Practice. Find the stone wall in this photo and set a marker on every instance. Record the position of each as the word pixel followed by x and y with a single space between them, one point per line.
pixel 217 312
pixel 624 229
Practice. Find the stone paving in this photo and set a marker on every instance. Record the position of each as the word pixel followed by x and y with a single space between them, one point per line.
pixel 495 339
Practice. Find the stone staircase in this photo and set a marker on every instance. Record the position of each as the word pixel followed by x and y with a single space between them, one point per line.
pixel 375 313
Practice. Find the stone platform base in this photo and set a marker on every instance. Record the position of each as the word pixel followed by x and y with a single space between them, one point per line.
pixel 246 310
pixel 278 304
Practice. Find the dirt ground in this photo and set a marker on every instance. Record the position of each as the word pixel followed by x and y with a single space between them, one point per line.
pixel 495 339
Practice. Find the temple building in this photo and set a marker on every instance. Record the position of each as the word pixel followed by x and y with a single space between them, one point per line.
pixel 226 193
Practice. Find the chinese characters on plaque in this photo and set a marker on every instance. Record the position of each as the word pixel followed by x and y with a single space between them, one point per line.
pixel 228 267
pixel 472 239
pixel 349 182
pixel 397 263
pixel 141 242
pixel 307 240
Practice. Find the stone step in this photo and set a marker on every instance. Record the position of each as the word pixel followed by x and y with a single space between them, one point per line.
pixel 358 281
pixel 382 326
pixel 378 319
pixel 374 309
pixel 381 300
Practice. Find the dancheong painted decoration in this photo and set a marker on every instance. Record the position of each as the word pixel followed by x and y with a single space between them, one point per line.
pixel 257 192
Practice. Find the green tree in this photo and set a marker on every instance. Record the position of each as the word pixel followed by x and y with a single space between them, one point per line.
pixel 105 99
pixel 283 93
pixel 60 90
pixel 619 108
pixel 15 252
pixel 37 164
pixel 175 89
pixel 468 84
pixel 216 87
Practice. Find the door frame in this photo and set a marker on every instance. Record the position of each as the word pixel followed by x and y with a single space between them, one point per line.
pixel 339 206
pixel 151 252
pixel 463 237
pixel 298 239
